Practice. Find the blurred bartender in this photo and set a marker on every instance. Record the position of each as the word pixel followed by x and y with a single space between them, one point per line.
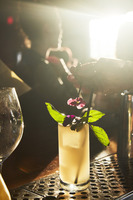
pixel 42 26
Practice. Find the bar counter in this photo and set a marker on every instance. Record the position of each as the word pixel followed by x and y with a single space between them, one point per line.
pixel 109 179
pixel 34 159
pixel 34 177
pixel 31 171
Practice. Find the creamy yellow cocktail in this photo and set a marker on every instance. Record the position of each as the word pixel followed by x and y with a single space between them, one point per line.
pixel 74 157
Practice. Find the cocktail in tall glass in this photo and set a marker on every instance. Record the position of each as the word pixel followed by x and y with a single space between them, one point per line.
pixel 74 157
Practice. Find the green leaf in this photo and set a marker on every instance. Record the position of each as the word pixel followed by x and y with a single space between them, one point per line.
pixel 94 115
pixel 101 135
pixel 57 116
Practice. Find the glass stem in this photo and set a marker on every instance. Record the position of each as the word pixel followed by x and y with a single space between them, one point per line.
pixel 4 192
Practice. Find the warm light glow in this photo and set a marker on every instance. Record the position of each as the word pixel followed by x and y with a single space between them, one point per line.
pixel 27 42
pixel 103 35
pixel 10 20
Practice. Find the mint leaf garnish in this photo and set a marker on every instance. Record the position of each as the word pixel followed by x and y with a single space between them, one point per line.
pixel 94 115
pixel 56 115
pixel 101 135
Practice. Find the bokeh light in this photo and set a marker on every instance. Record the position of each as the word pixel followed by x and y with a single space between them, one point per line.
pixel 10 20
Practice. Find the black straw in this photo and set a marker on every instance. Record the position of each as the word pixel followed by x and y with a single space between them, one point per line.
pixel 89 105
pixel 79 90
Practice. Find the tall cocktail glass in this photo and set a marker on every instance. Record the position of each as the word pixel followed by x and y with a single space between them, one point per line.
pixel 74 157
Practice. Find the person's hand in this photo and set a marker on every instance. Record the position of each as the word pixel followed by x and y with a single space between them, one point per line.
pixel 105 75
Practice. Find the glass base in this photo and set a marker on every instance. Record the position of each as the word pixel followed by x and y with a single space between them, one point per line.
pixel 74 187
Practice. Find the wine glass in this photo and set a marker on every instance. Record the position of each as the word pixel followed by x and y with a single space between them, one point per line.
pixel 11 127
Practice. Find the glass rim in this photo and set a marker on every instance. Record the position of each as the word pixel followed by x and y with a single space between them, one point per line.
pixel 4 88
pixel 69 125
pixel 8 89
